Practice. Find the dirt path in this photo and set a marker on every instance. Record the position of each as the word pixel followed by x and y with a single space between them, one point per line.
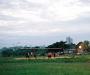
pixel 23 58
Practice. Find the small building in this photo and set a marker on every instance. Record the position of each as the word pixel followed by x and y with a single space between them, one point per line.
pixel 80 48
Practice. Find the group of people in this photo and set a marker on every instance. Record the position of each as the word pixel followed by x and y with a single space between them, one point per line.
pixel 30 54
pixel 51 55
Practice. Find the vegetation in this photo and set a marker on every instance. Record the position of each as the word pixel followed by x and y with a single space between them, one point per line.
pixel 17 51
pixel 62 44
pixel 61 66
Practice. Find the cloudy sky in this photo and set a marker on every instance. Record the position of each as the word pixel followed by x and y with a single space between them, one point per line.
pixel 42 22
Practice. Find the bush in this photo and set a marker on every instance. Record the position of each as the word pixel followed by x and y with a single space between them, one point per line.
pixel 7 53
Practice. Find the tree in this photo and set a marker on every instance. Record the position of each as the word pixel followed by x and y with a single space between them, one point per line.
pixel 7 52
pixel 61 44
pixel 57 45
pixel 86 43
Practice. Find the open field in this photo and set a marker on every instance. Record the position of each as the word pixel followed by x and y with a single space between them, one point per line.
pixel 60 66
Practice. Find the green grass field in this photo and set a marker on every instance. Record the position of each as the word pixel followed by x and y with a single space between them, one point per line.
pixel 73 66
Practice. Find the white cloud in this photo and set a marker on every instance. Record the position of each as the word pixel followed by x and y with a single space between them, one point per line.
pixel 65 10
pixel 61 10
pixel 44 17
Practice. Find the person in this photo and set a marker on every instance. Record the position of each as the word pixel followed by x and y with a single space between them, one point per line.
pixel 49 55
pixel 31 53
pixel 27 54
pixel 35 56
pixel 54 55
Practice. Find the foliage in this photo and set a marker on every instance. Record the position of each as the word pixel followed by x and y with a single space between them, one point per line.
pixel 10 66
pixel 61 44
pixel 87 45
pixel 7 52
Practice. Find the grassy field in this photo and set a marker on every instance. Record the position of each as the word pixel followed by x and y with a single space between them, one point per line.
pixel 69 66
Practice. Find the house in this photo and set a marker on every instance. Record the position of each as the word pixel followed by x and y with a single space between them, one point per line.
pixel 80 48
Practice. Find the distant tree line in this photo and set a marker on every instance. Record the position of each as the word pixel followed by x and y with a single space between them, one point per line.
pixel 20 51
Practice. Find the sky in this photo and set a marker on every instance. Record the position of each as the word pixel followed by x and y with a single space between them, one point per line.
pixel 43 22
